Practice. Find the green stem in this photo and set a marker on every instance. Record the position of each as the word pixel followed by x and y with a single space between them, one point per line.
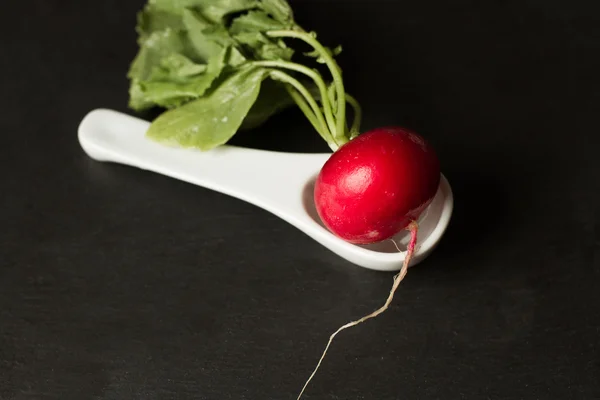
pixel 355 129
pixel 335 73
pixel 316 77
pixel 324 132
pixel 303 105
pixel 331 93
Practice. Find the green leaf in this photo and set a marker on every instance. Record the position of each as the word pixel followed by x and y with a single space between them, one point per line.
pixel 204 46
pixel 195 60
pixel 179 80
pixel 278 9
pixel 153 48
pixel 209 39
pixel 150 20
pixel 255 21
pixel 178 67
pixel 262 47
pixel 248 30
pixel 235 58
pixel 138 100
pixel 213 10
pixel 219 35
pixel 217 10
pixel 211 120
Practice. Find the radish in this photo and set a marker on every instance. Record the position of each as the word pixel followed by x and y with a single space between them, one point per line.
pixel 376 184
pixel 370 189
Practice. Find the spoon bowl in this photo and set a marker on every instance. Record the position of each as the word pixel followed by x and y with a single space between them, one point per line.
pixel 281 183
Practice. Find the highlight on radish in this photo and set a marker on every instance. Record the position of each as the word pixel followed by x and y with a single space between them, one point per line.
pixel 218 67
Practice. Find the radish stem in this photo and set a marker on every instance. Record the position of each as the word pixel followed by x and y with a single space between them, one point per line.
pixel 340 134
pixel 413 228
pixel 283 77
pixel 316 77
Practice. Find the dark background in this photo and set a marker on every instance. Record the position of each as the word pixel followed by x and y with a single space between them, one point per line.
pixel 121 284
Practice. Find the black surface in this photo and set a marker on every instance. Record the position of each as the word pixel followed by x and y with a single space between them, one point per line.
pixel 120 284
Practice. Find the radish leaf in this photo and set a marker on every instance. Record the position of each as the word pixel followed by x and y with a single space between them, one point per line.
pixel 152 20
pixel 204 45
pixel 213 10
pixel 204 62
pixel 213 119
pixel 178 67
pixel 248 30
pixel 278 9
pixel 255 21
pixel 261 47
pixel 179 80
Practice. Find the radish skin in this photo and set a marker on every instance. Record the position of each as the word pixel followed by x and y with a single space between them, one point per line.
pixel 372 187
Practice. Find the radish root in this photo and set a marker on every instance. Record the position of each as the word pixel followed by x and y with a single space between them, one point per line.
pixel 413 228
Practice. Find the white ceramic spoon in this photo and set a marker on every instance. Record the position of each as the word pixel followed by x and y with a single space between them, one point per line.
pixel 281 183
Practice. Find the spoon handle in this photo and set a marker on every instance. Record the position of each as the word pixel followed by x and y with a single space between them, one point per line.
pixel 271 180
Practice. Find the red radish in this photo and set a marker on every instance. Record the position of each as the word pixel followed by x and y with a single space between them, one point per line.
pixel 376 184
pixel 371 188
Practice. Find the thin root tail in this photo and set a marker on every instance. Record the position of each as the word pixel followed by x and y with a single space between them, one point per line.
pixel 413 228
